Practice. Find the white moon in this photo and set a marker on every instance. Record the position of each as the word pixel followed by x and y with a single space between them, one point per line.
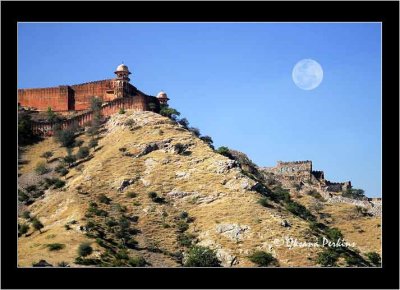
pixel 307 74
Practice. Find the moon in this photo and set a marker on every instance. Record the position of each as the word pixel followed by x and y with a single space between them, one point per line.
pixel 307 74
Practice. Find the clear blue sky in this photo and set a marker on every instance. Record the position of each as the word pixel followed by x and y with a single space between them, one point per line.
pixel 233 81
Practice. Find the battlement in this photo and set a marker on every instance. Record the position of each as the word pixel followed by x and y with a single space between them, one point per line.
pixel 294 162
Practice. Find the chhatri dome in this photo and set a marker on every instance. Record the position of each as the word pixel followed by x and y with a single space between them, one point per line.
pixel 162 97
pixel 122 68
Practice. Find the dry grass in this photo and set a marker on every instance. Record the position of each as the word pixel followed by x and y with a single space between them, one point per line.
pixel 159 171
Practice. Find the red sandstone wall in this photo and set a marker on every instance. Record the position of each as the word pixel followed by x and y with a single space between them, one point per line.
pixel 41 99
pixel 84 93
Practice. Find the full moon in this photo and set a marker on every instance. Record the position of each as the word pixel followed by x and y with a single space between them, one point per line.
pixel 307 74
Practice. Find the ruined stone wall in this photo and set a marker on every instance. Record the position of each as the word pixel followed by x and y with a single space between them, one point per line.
pixel 58 98
pixel 136 103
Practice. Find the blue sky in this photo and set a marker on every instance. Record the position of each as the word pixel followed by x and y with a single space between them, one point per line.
pixel 234 82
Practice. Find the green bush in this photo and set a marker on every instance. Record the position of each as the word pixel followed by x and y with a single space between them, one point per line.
pixel 169 112
pixel 22 229
pixel 58 183
pixel 299 210
pixel 22 196
pixel 41 168
pixel 354 193
pixel 122 255
pixel 83 152
pixel 280 194
pixel 65 137
pixel 111 222
pixel 121 111
pixel 46 155
pixel 137 262
pixel 314 194
pixel 131 194
pixel 152 195
pixel 183 215
pixel 55 246
pixel 85 249
pixel 353 261
pixel 327 258
pixel 264 201
pixel 374 258
pixel 104 199
pixel 37 225
pixel 333 234
pixel 224 151
pixel 93 143
pixel 26 215
pixel 199 256
pixel 185 239
pixel 261 258
pixel 195 131
pixel 182 226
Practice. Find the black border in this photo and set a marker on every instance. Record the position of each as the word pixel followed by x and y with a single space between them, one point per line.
pixel 385 12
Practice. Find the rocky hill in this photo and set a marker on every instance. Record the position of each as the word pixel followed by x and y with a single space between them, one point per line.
pixel 152 189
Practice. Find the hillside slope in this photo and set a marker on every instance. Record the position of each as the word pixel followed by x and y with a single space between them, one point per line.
pixel 172 189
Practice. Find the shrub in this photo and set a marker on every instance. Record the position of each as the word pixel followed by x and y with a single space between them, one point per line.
pixel 169 112
pixel 55 246
pixel 22 196
pixel 25 135
pixel 195 131
pixel 208 140
pixel 47 155
pixel 327 258
pixel 22 229
pixel 131 194
pixel 261 258
pixel 185 239
pixel 63 264
pixel 184 122
pixel 264 201
pixel 183 215
pixel 130 122
pixel 58 183
pixel 280 194
pixel 78 143
pixel 41 168
pixel 93 143
pixel 122 255
pixel 333 234
pixel 70 159
pixel 299 210
pixel 199 256
pixel 225 152
pixel 104 199
pixel 137 262
pixel 121 111
pixel 111 222
pixel 136 203
pixel 374 258
pixel 353 261
pixel 37 225
pixel 83 152
pixel 31 188
pixel 182 226
pixel 314 194
pixel 85 249
pixel 26 215
pixel 65 137
pixel 122 149
pixel 354 193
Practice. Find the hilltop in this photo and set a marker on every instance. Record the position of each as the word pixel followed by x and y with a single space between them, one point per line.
pixel 151 190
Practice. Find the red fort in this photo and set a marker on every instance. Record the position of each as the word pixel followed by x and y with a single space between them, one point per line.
pixel 72 98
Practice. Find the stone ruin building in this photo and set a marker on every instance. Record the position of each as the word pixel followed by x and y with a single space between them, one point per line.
pixel 302 172
pixel 72 98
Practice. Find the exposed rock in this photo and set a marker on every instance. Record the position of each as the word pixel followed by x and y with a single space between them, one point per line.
pixel 234 232
pixel 226 258
pixel 182 175
pixel 42 263
pixel 224 165
pixel 180 194
pixel 125 183
pixel 148 148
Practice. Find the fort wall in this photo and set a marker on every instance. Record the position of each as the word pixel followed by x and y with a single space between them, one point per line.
pixel 58 98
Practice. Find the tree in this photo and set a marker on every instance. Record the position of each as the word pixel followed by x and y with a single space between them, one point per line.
pixel 52 116
pixel 69 159
pixel 65 137
pixel 354 193
pixel 208 140
pixel 261 258
pixel 327 258
pixel 93 143
pixel 152 106
pixel 184 122
pixel 37 225
pixel 85 249
pixel 199 256
pixel 374 258
pixel 195 131
pixel 25 135
pixel 224 151
pixel 169 112
pixel 47 155
pixel 83 152
pixel 41 168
